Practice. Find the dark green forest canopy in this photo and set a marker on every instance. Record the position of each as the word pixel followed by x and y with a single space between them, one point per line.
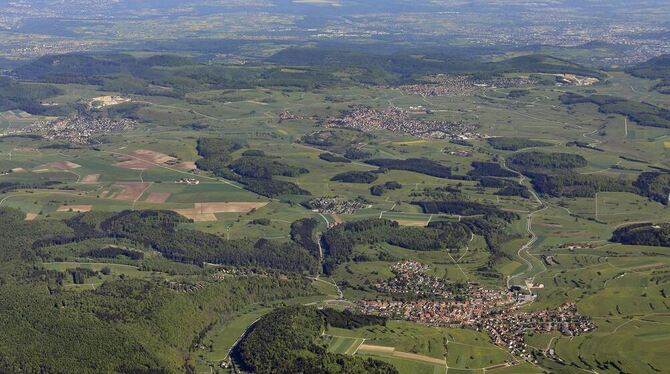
pixel 656 68
pixel 515 144
pixel 255 173
pixel 339 241
pixel 160 230
pixel 540 161
pixel 28 97
pixel 124 326
pixel 284 341
pixel 657 235
pixel 417 165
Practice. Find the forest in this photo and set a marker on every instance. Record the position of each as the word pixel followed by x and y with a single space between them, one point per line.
pixel 302 232
pixel 489 169
pixel 579 185
pixel 408 68
pixel 339 241
pixel 515 144
pixel 528 162
pixel 160 231
pixel 253 171
pixel 356 177
pixel 643 234
pixel 123 326
pixel 656 68
pixel 28 97
pixel 380 189
pixel 284 341
pixel 417 165
pixel 655 186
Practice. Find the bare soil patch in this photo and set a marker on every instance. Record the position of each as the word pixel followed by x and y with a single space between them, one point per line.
pixel 195 216
pixel 131 191
pixel 205 212
pixel 404 222
pixel 376 348
pixel 158 197
pixel 75 208
pixel 417 357
pixel 236 207
pixel 392 351
pixel 143 159
pixel 186 165
pixel 62 165
pixel 25 150
pixel 31 216
pixel 91 178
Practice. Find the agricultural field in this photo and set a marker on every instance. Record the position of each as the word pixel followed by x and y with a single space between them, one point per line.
pixel 211 184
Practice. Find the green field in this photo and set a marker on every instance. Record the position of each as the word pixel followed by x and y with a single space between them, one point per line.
pixel 624 288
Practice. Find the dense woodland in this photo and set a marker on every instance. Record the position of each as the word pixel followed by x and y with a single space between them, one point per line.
pixel 643 234
pixel 253 171
pixel 285 341
pixel 356 177
pixel 417 165
pixel 579 185
pixel 404 68
pixel 654 185
pixel 656 68
pixel 124 326
pixel 303 232
pixel 334 158
pixel 160 231
pixel 339 241
pixel 528 162
pixel 515 144
pixel 27 97
pixel 489 169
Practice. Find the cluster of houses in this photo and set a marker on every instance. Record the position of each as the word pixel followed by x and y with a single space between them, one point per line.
pixel 462 85
pixel 438 302
pixel 80 129
pixel 328 205
pixel 400 121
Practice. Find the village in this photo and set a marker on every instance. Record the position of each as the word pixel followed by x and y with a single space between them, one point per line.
pixel 79 129
pixel 327 205
pixel 462 85
pixel 398 120
pixel 497 312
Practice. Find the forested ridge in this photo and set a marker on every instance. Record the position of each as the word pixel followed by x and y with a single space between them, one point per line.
pixel 285 341
pixel 339 241
pixel 160 231
pixel 124 325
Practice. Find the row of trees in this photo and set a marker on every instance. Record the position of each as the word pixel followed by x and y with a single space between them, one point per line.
pixel 417 165
pixel 515 144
